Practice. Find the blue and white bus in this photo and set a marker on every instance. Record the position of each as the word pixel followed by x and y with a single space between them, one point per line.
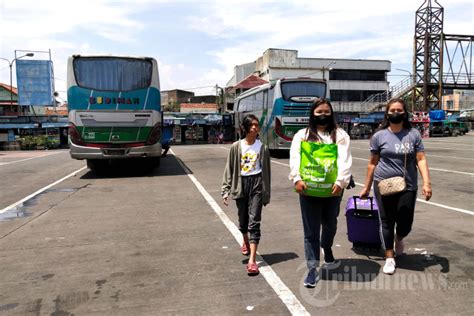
pixel 282 106
pixel 114 109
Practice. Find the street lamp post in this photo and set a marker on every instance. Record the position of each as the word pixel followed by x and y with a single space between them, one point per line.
pixel 411 76
pixel 327 68
pixel 10 64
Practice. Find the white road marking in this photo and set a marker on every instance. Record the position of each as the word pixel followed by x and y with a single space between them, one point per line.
pixel 437 204
pixel 280 163
pixel 431 168
pixel 437 147
pixel 420 200
pixel 434 146
pixel 15 161
pixel 448 157
pixel 40 191
pixel 452 171
pixel 432 141
pixel 284 293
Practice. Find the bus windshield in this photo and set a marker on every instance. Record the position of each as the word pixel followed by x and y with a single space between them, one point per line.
pixel 303 89
pixel 108 74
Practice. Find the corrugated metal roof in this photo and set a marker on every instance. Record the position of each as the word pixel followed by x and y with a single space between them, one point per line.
pixel 198 105
pixel 11 125
pixel 250 82
pixel 54 125
pixel 9 88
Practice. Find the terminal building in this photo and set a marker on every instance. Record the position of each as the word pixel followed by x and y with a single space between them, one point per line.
pixel 351 81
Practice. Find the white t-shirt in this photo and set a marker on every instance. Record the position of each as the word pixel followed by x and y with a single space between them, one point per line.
pixel 250 159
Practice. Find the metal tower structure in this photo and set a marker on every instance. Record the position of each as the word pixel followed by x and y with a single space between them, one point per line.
pixel 427 56
pixel 435 51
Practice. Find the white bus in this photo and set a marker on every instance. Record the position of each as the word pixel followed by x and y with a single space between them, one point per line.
pixel 282 107
pixel 114 109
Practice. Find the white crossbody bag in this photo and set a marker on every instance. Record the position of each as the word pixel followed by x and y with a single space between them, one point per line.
pixel 394 185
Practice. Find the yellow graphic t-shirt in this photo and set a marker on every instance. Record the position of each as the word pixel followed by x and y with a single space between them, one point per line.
pixel 250 159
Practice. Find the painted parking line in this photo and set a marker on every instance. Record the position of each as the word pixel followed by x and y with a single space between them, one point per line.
pixel 436 146
pixel 437 204
pixel 448 157
pixel 21 160
pixel 420 200
pixel 432 141
pixel 32 195
pixel 284 293
pixel 431 168
pixel 427 154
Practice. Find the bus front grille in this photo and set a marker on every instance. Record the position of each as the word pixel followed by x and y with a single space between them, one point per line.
pixel 296 110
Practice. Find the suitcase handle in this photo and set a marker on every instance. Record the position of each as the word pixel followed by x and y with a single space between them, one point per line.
pixel 363 214
pixel 371 198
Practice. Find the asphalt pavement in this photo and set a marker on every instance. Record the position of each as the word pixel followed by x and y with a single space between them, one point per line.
pixel 135 242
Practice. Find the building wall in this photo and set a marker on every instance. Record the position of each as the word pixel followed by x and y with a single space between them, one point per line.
pixel 241 72
pixel 178 96
pixel 459 100
pixel 198 108
pixel 204 98
pixel 5 95
pixel 279 63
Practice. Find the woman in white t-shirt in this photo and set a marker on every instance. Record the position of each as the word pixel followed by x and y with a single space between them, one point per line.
pixel 320 214
pixel 247 180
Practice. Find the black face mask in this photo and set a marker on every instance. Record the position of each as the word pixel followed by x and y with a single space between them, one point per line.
pixel 322 119
pixel 396 118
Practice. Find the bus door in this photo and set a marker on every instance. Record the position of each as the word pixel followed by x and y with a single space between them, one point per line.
pixel 264 118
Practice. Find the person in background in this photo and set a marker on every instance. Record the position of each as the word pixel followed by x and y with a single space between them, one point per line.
pixel 165 145
pixel 220 137
pixel 212 135
pixel 316 211
pixel 247 180
pixel 395 140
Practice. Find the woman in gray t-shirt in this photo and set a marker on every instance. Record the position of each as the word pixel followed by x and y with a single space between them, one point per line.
pixel 394 142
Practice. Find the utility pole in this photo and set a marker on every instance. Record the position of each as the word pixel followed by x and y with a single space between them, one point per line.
pixel 220 99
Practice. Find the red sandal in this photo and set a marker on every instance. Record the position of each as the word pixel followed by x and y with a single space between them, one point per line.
pixel 252 269
pixel 245 249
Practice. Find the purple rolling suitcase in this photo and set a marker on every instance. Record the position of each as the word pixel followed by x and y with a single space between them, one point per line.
pixel 363 222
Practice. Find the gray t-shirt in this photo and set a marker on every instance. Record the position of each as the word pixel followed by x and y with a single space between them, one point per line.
pixel 392 148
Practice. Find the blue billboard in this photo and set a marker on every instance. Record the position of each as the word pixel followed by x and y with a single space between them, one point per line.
pixel 35 82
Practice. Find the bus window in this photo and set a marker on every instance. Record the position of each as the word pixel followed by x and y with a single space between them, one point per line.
pixel 108 74
pixel 302 89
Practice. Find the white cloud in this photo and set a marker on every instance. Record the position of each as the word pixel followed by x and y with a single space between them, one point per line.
pixel 241 31
pixel 369 29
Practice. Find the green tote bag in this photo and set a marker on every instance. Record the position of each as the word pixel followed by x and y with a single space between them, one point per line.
pixel 318 168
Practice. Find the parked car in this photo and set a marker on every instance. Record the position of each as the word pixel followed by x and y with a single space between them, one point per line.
pixel 465 126
pixel 440 128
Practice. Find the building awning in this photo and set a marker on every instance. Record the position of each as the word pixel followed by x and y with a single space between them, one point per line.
pixel 12 125
pixel 54 125
pixel 363 120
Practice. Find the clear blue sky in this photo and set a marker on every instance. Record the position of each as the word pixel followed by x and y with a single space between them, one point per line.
pixel 198 43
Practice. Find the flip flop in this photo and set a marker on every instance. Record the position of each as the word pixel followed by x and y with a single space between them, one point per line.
pixel 252 269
